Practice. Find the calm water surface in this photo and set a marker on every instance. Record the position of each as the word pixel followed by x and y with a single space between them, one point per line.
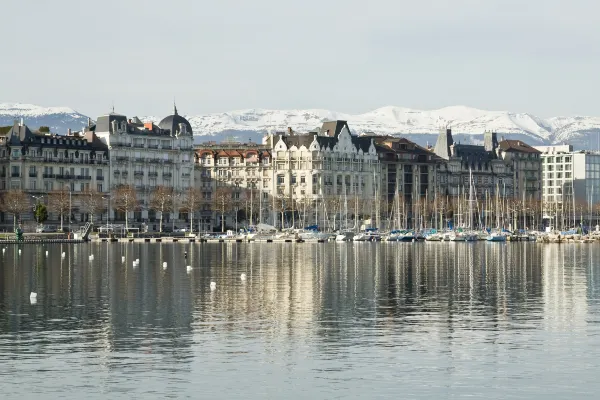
pixel 356 320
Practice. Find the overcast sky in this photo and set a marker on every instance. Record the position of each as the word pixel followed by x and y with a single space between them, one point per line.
pixel 537 56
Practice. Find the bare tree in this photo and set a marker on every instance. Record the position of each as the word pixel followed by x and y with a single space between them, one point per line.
pixel 59 202
pixel 282 204
pixel 161 200
pixel 125 201
pixel 93 203
pixel 223 204
pixel 191 202
pixel 15 202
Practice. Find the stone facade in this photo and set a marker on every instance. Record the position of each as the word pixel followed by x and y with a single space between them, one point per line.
pixel 490 174
pixel 41 162
pixel 145 156
pixel 525 163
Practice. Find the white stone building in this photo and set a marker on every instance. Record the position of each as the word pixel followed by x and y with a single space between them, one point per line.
pixel 146 156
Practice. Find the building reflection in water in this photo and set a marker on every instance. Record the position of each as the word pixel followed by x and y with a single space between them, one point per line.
pixel 328 295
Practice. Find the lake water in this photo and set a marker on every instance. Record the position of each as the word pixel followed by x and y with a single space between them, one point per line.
pixel 311 321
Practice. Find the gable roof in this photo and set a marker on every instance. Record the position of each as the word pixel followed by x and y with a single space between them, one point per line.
pixel 517 146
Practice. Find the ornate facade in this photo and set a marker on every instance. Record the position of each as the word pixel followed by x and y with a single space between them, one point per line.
pixel 145 155
pixel 42 162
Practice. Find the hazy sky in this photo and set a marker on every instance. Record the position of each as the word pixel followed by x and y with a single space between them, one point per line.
pixel 538 56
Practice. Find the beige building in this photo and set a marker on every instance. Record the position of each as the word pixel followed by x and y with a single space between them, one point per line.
pixel 145 156
pixel 42 162
pixel 302 176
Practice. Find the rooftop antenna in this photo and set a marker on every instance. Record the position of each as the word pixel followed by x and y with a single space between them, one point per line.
pixel 174 107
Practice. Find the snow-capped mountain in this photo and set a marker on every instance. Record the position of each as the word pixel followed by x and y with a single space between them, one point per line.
pixel 419 125
pixel 59 119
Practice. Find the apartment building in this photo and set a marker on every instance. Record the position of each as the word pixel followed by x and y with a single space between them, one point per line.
pixel 408 175
pixel 571 177
pixel 489 173
pixel 145 156
pixel 240 172
pixel 42 162
pixel 525 162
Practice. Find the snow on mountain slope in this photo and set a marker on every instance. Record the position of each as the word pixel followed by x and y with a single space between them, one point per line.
pixel 385 120
pixel 59 119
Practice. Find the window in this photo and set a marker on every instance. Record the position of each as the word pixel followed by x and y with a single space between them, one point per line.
pixel 32 185
pixel 293 179
pixel 99 187
pixel 280 179
pixel 302 179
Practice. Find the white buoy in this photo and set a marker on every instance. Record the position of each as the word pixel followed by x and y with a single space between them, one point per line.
pixel 63 254
pixel 137 260
pixel 19 251
pixel 123 259
pixel 91 256
pixel 243 277
pixel 46 253
pixel 189 268
pixel 213 285
pixel 165 265
pixel 134 264
pixel 33 298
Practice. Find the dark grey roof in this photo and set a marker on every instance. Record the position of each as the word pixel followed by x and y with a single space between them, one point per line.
pixel 171 123
pixel 104 122
pixel 472 154
pixel 324 141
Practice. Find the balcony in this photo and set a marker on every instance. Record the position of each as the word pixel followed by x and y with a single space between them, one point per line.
pixel 33 174
pixel 152 174
pixel 138 173
pixel 167 175
pixel 121 159
pixel 139 159
pixel 59 176
pixel 49 176
pixel 185 175
pixel 153 146
pixel 124 174
pixel 100 178
pixel 84 177
pixel 167 147
pixel 117 173
pixel 138 145
pixel 15 175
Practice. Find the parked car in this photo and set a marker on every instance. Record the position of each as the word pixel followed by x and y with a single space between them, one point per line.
pixel 45 229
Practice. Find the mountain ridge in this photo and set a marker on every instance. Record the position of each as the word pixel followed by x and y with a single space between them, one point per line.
pixel 388 120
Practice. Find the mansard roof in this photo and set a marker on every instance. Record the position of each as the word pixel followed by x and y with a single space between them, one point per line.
pixel 470 153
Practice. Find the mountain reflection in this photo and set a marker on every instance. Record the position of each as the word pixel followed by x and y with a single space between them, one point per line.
pixel 335 293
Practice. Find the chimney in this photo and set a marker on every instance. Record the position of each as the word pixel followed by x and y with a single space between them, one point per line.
pixel 69 132
pixel 89 122
pixel 290 131
pixel 21 123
